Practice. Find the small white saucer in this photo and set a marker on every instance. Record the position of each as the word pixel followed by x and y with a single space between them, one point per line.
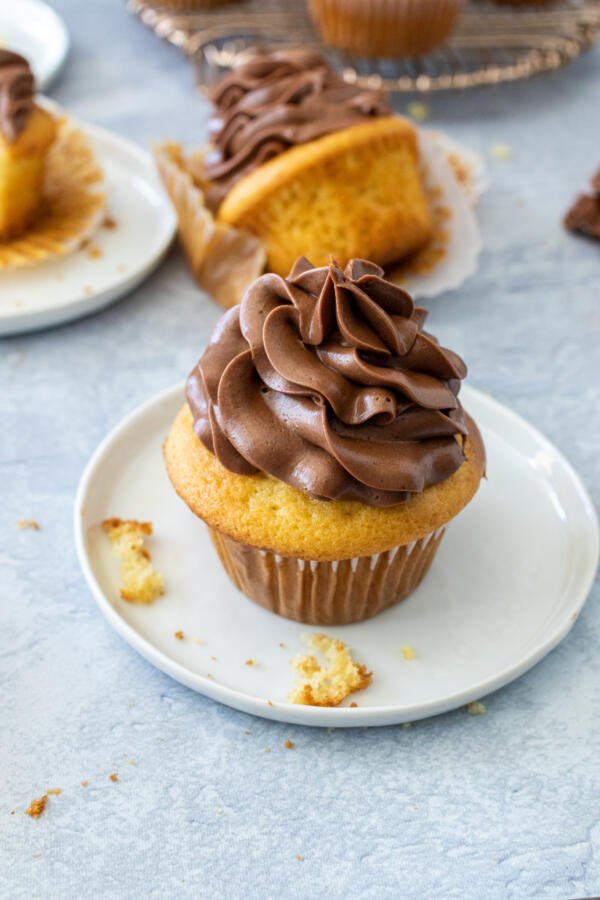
pixel 114 261
pixel 33 29
pixel 507 584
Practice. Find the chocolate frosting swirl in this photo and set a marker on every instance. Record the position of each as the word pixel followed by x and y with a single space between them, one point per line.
pixel 327 381
pixel 17 88
pixel 271 103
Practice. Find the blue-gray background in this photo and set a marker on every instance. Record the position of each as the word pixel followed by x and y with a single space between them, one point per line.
pixel 501 805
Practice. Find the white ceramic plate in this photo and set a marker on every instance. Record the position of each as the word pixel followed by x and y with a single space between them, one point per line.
pixel 116 261
pixel 33 29
pixel 506 586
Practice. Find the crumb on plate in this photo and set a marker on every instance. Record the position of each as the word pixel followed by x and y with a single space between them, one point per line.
pixel 328 685
pixel 140 582
pixel 179 635
pixel 95 252
pixel 109 222
pixel 250 662
pixel 408 652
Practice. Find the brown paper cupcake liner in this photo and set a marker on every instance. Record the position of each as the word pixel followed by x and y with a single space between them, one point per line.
pixel 223 260
pixel 72 206
pixel 318 592
pixel 391 28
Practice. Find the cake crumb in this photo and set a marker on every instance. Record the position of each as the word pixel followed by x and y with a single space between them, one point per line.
pixel 299 858
pixel 88 290
pixel 250 662
pixel 282 645
pixel 418 111
pixel 199 641
pixel 85 782
pixel 214 658
pixel 476 708
pixel 109 223
pixel 132 762
pixel 327 686
pixel 140 582
pixel 267 750
pixel 54 791
pixel 179 635
pixel 408 652
pixel 94 252
pixel 407 725
pixel 246 731
pixel 269 703
pixel 28 523
pixel 37 807
pixel 113 777
pixel 353 705
pixel 501 151
pixel 289 745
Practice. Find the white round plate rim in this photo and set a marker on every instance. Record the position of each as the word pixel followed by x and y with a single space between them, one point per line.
pixel 343 717
pixel 57 38
pixel 80 305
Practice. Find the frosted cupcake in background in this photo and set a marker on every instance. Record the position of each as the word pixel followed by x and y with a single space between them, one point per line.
pixel 324 444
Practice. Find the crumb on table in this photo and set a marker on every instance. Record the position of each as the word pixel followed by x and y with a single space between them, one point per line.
pixel 140 582
pixel 289 745
pixel 418 111
pixel 331 684
pixel 113 777
pixel 179 635
pixel 28 523
pixel 250 662
pixel 37 807
pixel 85 782
pixel 299 858
pixel 476 708
pixel 501 151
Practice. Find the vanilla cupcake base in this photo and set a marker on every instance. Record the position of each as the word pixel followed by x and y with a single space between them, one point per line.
pixel 318 592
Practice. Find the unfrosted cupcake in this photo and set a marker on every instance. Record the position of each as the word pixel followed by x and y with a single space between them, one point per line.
pixel 392 28
pixel 324 444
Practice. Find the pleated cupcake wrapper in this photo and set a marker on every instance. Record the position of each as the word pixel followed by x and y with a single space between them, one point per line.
pixel 318 592
pixel 73 203
pixel 385 27
pixel 223 260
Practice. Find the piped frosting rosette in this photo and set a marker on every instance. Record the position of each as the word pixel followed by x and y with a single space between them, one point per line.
pixel 327 381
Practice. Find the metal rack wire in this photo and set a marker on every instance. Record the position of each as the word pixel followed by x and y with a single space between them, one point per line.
pixel 492 43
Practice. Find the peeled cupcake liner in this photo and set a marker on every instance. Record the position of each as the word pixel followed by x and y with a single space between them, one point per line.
pixel 73 204
pixel 225 260
pixel 318 592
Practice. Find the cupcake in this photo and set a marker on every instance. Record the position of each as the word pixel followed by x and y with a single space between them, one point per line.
pixel 26 135
pixel 308 165
pixel 324 444
pixel 392 28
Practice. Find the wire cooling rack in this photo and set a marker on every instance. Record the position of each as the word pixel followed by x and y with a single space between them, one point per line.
pixel 492 43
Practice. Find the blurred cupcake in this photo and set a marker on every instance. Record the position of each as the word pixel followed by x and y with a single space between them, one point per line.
pixel 324 444
pixel 26 134
pixel 392 28
pixel 305 163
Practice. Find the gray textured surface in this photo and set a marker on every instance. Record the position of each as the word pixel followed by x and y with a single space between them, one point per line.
pixel 504 805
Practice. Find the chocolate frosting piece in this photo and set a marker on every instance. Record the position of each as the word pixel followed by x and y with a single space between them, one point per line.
pixel 273 102
pixel 326 380
pixel 17 89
